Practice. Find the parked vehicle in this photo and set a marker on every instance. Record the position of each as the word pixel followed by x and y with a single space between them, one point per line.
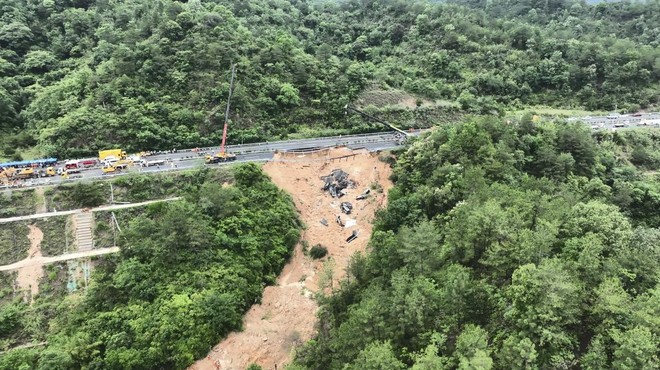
pixel 116 153
pixel 48 172
pixel 27 173
pixel 72 164
pixel 110 169
pixel 88 163
pixel 145 163
pixel 220 157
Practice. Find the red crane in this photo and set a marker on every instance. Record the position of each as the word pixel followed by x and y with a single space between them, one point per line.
pixel 222 155
pixel 231 89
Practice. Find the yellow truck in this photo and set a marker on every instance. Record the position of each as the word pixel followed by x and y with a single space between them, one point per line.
pixel 48 172
pixel 111 154
pixel 109 169
pixel 220 157
pixel 113 168
pixel 27 173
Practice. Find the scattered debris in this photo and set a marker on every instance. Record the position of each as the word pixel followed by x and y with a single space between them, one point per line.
pixel 298 307
pixel 350 222
pixel 339 221
pixel 346 207
pixel 353 236
pixel 336 183
pixel 400 138
pixel 364 195
pixel 324 222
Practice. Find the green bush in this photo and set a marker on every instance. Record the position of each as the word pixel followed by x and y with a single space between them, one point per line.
pixel 14 242
pixel 318 251
pixel 17 203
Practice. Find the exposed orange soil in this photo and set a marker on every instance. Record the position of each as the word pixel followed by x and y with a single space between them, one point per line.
pixel 29 275
pixel 287 314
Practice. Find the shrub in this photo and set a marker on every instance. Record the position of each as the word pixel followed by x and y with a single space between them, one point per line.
pixel 318 251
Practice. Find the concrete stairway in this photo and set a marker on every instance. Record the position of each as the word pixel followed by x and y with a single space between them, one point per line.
pixel 84 227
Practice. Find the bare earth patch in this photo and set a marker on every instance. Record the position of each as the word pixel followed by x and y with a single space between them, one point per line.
pixel 29 276
pixel 287 314
pixel 41 199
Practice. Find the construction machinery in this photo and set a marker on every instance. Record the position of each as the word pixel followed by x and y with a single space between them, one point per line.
pixel 401 135
pixel 27 173
pixel 7 175
pixel 123 163
pixel 222 155
pixel 48 172
pixel 70 173
pixel 116 166
pixel 110 169
pixel 110 154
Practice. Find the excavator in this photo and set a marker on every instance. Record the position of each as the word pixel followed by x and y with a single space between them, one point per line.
pixel 222 155
pixel 27 173
pixel 7 175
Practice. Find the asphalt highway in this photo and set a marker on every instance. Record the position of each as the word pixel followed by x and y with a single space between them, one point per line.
pixel 259 152
pixel 190 158
pixel 615 121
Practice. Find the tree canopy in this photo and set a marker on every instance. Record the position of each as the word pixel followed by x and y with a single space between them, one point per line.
pixel 187 272
pixel 506 245
pixel 79 76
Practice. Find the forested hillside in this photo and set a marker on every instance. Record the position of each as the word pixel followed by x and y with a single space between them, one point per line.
pixel 187 272
pixel 507 246
pixel 81 75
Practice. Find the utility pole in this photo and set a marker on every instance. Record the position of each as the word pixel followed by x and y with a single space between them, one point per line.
pixel 112 195
pixel 231 89
pixel 114 230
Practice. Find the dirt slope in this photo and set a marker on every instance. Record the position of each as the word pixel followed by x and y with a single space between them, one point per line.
pixel 287 314
pixel 29 276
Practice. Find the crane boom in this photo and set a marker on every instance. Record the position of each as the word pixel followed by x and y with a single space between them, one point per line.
pixel 347 107
pixel 231 89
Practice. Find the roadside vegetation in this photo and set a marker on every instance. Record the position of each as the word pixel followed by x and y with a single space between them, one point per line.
pixel 79 76
pixel 14 242
pixel 130 188
pixel 105 230
pixel 166 298
pixel 58 235
pixel 506 246
pixel 17 203
pixel 28 324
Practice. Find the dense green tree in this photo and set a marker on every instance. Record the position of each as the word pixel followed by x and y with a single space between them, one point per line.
pixel 485 259
pixel 167 298
pixel 377 356
pixel 472 349
pixel 637 348
pixel 83 76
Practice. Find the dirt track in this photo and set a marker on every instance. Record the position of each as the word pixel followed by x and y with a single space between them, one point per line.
pixel 287 314
pixel 97 209
pixel 29 274
pixel 36 260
